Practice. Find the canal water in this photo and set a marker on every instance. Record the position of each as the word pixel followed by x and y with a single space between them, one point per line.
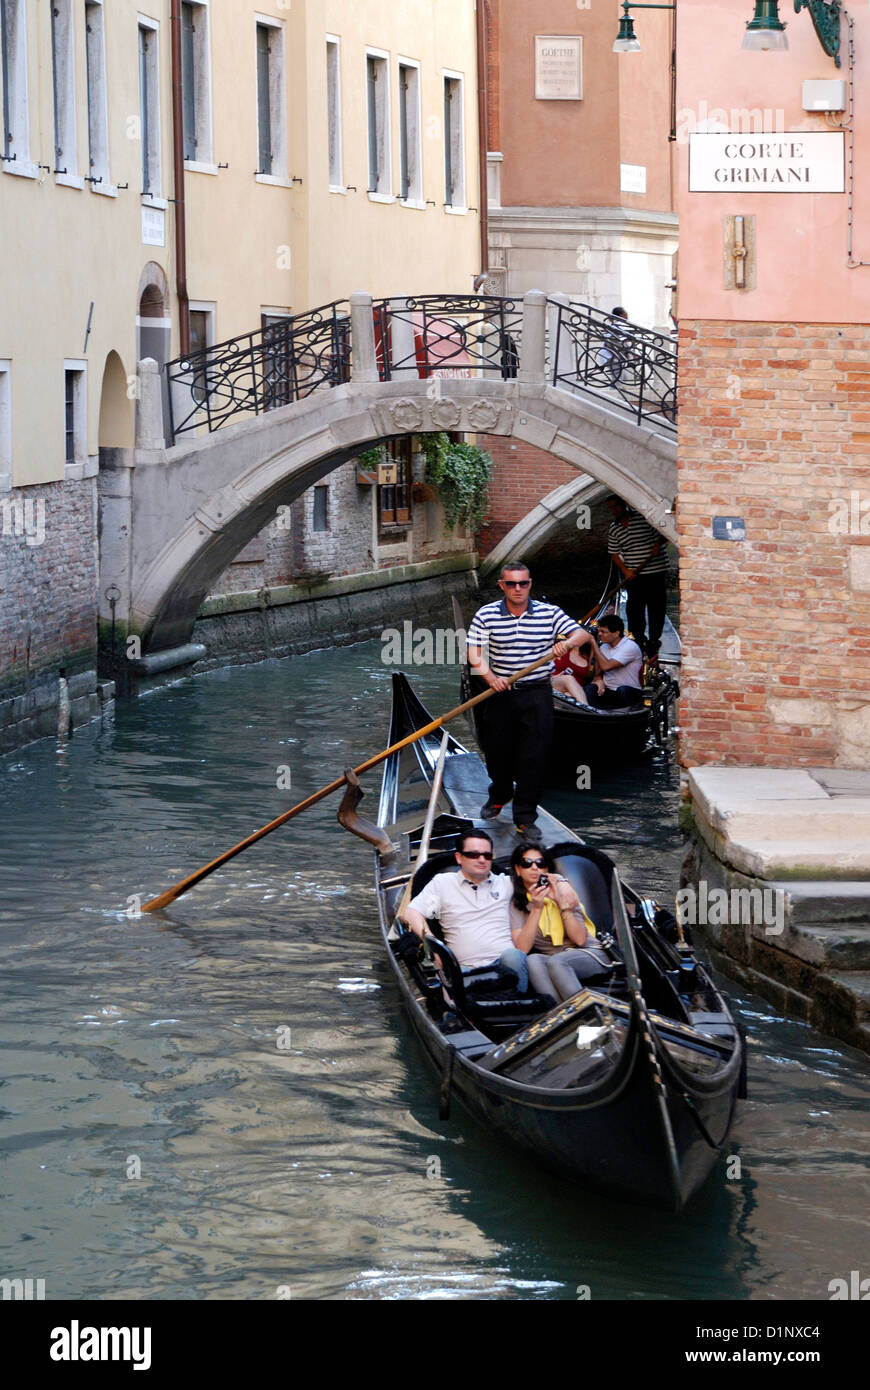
pixel 225 1101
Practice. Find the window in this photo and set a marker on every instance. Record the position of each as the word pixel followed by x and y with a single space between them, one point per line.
pixel 409 133
pixel 333 105
pixel 64 87
pixel 149 108
pixel 320 515
pixel 378 109
pixel 98 110
pixel 75 413
pixel 13 56
pixel 454 144
pixel 394 498
pixel 271 107
pixel 277 359
pixel 202 336
pixel 195 84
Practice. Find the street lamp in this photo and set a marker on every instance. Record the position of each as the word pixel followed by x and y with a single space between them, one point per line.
pixel 626 40
pixel 765 32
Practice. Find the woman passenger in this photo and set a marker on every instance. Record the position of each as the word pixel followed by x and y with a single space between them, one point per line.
pixel 549 923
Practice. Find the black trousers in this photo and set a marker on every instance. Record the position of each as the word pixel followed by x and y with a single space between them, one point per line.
pixel 517 734
pixel 647 602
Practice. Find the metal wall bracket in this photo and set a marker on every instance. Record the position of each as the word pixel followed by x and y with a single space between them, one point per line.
pixel 825 15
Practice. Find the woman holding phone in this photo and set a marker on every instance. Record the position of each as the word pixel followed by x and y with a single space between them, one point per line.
pixel 549 923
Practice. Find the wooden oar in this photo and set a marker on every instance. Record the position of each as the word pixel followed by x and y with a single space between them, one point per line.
pixel 176 891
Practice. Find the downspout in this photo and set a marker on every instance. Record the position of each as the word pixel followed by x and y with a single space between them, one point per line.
pixel 178 179
pixel 482 123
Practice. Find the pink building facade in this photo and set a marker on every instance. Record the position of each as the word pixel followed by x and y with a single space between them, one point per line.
pixel 774 439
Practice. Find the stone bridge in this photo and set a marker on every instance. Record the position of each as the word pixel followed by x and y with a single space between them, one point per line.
pixel 172 518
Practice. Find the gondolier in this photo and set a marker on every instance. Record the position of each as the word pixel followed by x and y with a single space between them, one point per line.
pixel 638 552
pixel 504 637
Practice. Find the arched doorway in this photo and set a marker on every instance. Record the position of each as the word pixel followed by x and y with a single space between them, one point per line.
pixel 153 323
pixel 116 407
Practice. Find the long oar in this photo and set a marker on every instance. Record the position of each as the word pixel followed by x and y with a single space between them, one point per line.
pixel 176 891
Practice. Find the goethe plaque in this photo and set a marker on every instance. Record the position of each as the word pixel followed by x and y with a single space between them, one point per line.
pixel 558 67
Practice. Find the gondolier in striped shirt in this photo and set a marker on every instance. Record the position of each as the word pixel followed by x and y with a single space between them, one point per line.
pixel 504 637
pixel 639 554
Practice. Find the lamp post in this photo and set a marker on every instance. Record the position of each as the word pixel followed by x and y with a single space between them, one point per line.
pixel 627 42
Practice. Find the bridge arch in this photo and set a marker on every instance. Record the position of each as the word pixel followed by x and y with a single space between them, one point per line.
pixel 196 506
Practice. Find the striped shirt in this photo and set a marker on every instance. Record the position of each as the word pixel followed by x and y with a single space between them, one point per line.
pixel 633 543
pixel 511 643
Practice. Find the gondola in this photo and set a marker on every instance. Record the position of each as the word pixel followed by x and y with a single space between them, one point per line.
pixel 629 1088
pixel 582 734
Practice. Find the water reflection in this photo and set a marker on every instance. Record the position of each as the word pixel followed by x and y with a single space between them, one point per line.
pixel 245 1052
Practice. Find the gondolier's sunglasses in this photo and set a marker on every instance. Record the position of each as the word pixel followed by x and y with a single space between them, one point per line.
pixel 476 853
pixel 517 583
pixel 533 863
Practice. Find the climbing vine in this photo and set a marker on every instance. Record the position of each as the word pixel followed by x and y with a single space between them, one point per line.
pixel 461 472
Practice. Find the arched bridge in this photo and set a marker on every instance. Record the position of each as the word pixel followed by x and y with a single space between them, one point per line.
pixel 258 420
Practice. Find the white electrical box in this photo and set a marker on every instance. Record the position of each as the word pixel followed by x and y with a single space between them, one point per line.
pixel 825 95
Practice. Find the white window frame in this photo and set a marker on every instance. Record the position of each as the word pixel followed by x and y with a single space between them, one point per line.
pixel 335 152
pixel 277 100
pixel 65 162
pixel 154 153
pixel 15 111
pixel 457 149
pixel 383 130
pixel 98 99
pixel 78 366
pixel 5 425
pixel 414 135
pixel 202 93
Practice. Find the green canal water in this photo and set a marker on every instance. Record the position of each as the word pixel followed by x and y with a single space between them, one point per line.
pixel 225 1101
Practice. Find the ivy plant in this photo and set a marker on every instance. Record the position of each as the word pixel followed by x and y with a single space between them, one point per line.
pixel 461 473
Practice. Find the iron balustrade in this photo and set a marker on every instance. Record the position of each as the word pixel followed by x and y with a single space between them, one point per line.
pixel 448 335
pixel 604 355
pixel 256 372
pixel 627 367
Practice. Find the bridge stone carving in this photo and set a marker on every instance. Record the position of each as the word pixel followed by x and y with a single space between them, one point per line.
pixel 172 518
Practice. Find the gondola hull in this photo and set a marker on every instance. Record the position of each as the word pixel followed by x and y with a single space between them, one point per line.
pixel 622 1114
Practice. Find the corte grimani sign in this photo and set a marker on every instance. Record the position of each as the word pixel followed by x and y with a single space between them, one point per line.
pixel 797 161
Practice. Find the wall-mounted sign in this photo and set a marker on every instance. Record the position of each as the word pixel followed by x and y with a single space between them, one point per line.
pixel 558 67
pixel 153 227
pixel 388 474
pixel 796 161
pixel 729 528
pixel 632 178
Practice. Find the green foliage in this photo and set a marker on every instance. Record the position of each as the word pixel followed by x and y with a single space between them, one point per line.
pixel 372 457
pixel 461 473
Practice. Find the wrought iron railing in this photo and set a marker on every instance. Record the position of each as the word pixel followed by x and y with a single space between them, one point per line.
pixel 606 356
pixel 587 350
pixel 448 335
pixel 259 371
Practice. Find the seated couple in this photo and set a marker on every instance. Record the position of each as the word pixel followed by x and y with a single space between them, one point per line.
pixel 619 662
pixel 530 921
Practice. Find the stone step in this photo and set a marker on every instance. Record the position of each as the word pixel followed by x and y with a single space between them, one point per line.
pixel 831 947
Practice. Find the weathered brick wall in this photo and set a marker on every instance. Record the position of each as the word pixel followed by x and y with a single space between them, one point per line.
pixel 521 477
pixel 775 427
pixel 48 586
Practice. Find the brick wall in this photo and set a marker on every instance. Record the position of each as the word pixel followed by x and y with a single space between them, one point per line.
pixel 521 477
pixel 775 427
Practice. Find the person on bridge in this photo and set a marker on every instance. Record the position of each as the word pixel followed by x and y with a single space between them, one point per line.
pixel 638 551
pixel 503 637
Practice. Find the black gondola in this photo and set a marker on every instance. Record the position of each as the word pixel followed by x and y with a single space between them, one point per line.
pixel 629 1087
pixel 582 734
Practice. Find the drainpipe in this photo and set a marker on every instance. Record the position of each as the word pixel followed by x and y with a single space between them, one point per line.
pixel 482 123
pixel 178 178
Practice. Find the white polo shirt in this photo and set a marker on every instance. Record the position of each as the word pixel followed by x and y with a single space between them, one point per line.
pixel 630 657
pixel 475 917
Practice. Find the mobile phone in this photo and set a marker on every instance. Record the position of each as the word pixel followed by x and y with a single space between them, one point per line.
pixel 543 881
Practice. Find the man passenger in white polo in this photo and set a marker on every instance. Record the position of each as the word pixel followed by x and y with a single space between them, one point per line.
pixel 473 907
